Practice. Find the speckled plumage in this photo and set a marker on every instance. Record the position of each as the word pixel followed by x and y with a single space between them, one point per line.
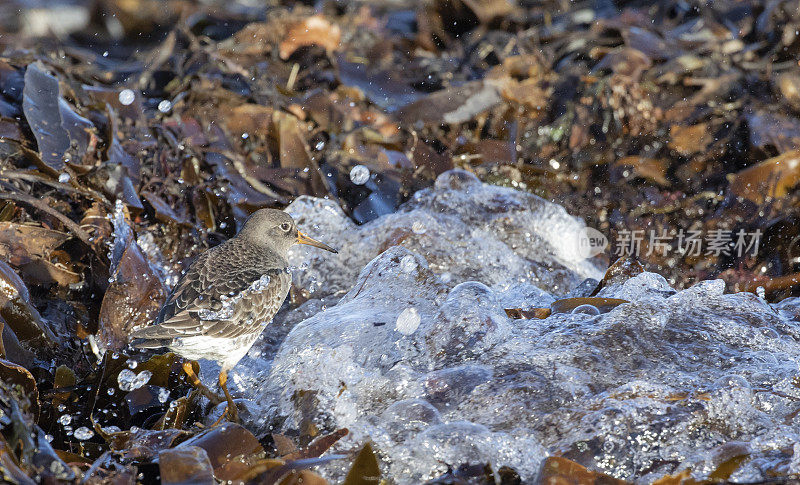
pixel 229 294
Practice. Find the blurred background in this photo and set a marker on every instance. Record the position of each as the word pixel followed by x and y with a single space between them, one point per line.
pixel 676 117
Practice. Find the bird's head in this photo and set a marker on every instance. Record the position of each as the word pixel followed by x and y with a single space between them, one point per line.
pixel 276 229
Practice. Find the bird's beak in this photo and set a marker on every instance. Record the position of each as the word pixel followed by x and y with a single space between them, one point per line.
pixel 303 239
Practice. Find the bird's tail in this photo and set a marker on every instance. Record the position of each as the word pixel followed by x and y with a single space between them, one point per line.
pixel 150 343
pixel 149 338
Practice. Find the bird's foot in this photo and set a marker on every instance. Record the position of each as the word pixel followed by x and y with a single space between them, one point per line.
pixel 230 410
pixel 195 381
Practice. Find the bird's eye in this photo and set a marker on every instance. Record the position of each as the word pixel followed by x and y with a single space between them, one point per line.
pixel 286 226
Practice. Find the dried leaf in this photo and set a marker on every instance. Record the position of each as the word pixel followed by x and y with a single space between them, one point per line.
pixel 365 469
pixel 231 449
pixel 561 471
pixel 270 471
pixel 789 88
pixel 316 448
pixel 20 244
pixel 11 471
pixel 314 30
pixel 774 177
pixel 304 477
pixel 622 270
pixel 41 106
pixel 16 375
pixel 144 443
pixel 452 105
pixel 248 119
pixel 133 298
pixel 293 152
pixel 164 212
pixel 185 465
pixel 18 313
pixel 64 377
pixel 284 445
pixel 768 129
pixel 489 10
pixel 520 314
pixel 604 305
pixel 652 169
pixel 687 140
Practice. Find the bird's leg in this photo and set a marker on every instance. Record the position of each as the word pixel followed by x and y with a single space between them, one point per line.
pixel 232 411
pixel 211 395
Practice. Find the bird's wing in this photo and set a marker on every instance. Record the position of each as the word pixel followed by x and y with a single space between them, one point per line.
pixel 219 300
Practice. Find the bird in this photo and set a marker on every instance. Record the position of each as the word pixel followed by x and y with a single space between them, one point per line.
pixel 227 297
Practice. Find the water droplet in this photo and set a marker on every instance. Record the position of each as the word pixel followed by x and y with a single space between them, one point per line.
pixel 408 264
pixel 110 391
pixel 131 363
pixel 129 380
pixel 359 175
pixel 83 433
pixel 164 106
pixel 761 292
pixel 65 419
pixel 408 321
pixel 320 145
pixel 586 309
pixel 163 395
pixel 731 381
pixel 126 97
pixel 63 178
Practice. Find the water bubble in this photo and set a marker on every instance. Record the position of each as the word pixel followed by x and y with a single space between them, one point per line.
pixel 129 380
pixel 110 391
pixel 126 97
pixel 164 106
pixel 63 178
pixel 731 381
pixel 61 408
pixel 769 332
pixel 111 429
pixel 359 175
pixel 65 419
pixel 418 227
pixel 586 309
pixel 131 363
pixel 320 145
pixel 408 321
pixel 83 433
pixel 163 395
pixel 49 438
pixel 408 264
